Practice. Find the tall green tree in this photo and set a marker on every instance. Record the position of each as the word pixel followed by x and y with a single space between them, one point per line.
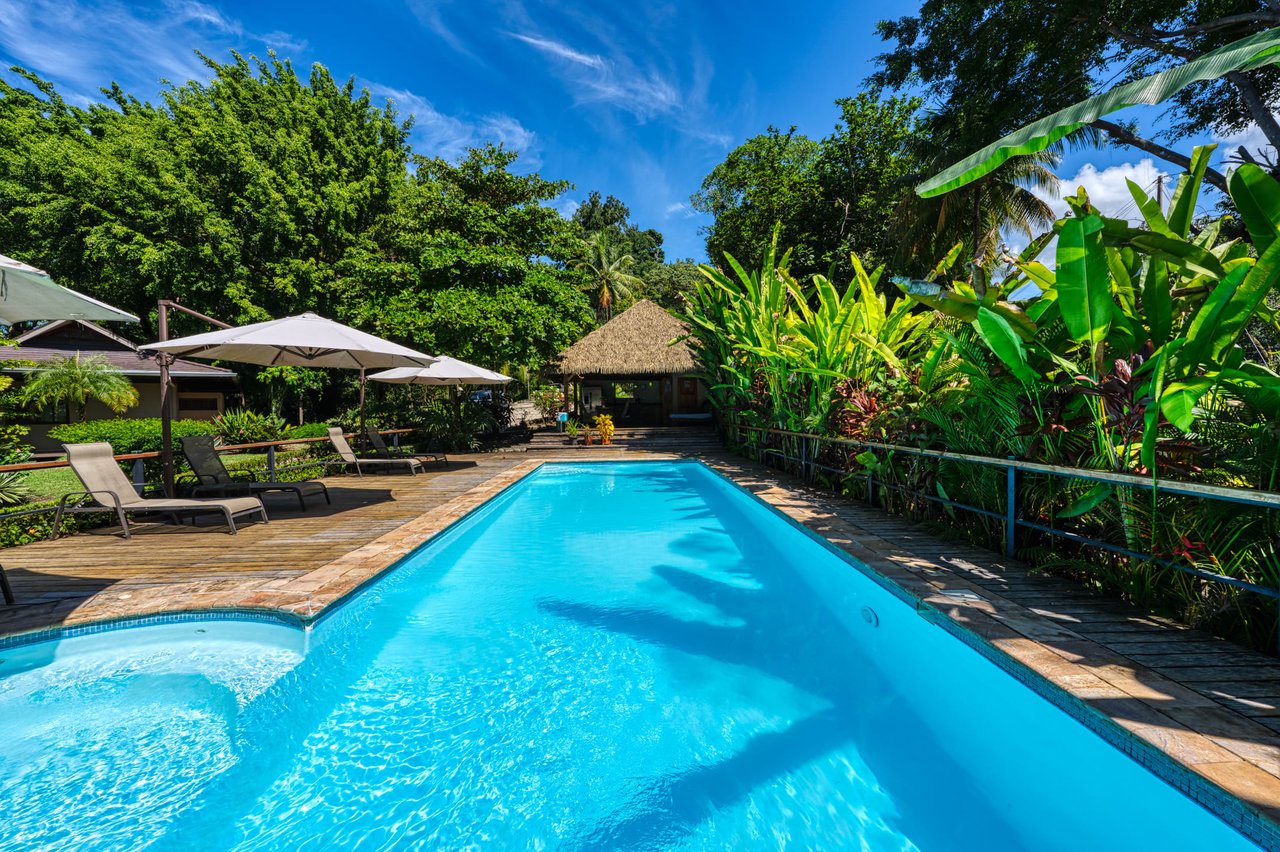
pixel 833 197
pixel 76 380
pixel 474 263
pixel 262 193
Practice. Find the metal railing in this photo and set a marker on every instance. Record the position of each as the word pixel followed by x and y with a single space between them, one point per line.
pixel 809 447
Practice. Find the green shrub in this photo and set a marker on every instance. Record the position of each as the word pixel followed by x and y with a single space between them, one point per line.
pixel 128 436
pixel 309 430
pixel 242 426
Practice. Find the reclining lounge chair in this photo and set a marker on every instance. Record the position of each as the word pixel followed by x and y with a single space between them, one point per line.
pixel 348 456
pixel 382 451
pixel 108 489
pixel 214 478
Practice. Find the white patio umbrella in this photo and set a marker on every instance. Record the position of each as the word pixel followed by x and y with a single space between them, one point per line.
pixel 306 340
pixel 445 371
pixel 27 293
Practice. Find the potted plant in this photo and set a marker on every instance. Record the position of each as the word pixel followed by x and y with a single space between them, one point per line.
pixel 571 429
pixel 604 425
pixel 587 433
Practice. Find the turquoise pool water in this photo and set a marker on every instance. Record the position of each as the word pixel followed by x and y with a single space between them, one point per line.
pixel 606 656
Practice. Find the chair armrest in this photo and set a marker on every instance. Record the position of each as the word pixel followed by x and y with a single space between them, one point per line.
pixel 80 495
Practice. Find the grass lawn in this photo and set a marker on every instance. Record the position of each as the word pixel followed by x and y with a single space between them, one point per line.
pixel 52 483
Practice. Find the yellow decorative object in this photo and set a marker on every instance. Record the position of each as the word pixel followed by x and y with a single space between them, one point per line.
pixel 604 425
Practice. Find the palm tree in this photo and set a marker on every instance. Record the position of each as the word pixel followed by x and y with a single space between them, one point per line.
pixel 76 380
pixel 1011 198
pixel 609 271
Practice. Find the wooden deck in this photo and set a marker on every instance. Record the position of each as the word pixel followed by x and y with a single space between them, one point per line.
pixel 1202 712
pixel 164 568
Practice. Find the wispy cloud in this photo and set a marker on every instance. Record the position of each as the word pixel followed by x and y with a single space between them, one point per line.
pixel 616 80
pixel 85 47
pixel 436 134
pixel 561 51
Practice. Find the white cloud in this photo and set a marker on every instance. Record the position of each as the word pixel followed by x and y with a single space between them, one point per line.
pixel 1108 189
pixel 436 134
pixel 679 208
pixel 85 47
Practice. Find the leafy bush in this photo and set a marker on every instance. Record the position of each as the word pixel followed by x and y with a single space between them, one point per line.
pixel 128 436
pixel 549 400
pixel 308 430
pixel 242 426
pixel 455 429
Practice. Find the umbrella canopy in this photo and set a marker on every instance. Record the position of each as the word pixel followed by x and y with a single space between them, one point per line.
pixel 445 371
pixel 27 293
pixel 306 340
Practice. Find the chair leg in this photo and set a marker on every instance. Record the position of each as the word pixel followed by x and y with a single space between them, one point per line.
pixel 5 588
pixel 302 504
pixel 325 491
pixel 263 512
pixel 57 520
pixel 124 522
pixel 231 521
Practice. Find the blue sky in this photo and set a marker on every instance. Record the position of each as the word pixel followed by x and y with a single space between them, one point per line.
pixel 639 100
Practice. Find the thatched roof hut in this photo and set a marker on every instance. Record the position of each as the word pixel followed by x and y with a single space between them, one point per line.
pixel 637 342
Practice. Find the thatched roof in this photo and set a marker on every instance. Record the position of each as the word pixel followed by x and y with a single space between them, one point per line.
pixel 637 342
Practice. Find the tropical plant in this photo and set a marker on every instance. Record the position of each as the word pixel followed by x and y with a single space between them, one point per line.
pixel 1256 51
pixel 988 65
pixel 609 271
pixel 604 425
pixel 76 380
pixel 242 426
pixel 549 400
pixel 455 428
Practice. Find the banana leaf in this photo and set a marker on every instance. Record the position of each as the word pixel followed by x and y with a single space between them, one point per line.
pixel 1254 51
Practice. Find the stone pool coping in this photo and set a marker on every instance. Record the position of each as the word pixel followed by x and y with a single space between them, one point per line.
pixel 1236 778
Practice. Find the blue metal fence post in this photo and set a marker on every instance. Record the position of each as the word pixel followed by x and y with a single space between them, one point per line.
pixel 1010 509
pixel 271 463
pixel 395 440
pixel 139 476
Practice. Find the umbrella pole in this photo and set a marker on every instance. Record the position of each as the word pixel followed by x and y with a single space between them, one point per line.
pixel 166 425
pixel 362 384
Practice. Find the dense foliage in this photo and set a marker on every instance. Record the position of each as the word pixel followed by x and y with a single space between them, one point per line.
pixel 832 196
pixel 989 65
pixel 1134 357
pixel 259 195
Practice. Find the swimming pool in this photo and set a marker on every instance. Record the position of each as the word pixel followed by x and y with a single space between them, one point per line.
pixel 630 655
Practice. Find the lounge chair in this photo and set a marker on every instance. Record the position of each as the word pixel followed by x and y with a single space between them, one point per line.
pixel 348 456
pixel 214 478
pixel 109 489
pixel 382 451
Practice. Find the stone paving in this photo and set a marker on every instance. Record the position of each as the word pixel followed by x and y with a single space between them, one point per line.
pixel 1201 712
